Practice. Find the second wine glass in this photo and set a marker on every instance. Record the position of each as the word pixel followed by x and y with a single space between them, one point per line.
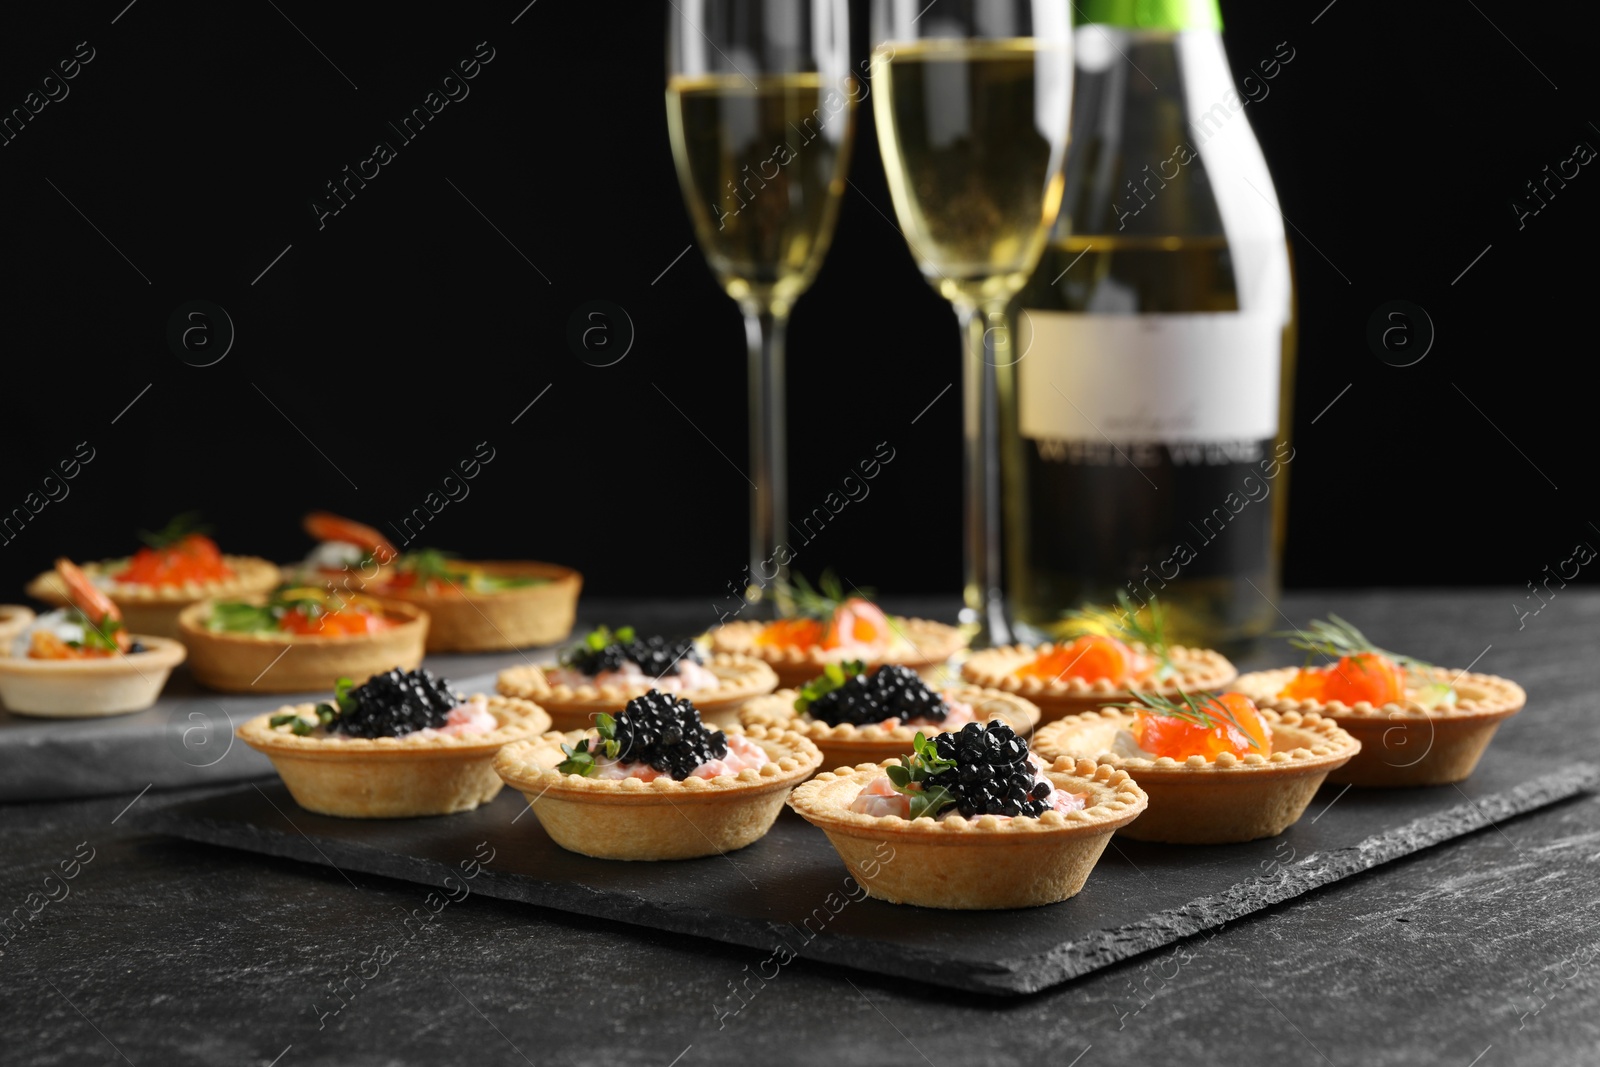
pixel 973 99
pixel 761 111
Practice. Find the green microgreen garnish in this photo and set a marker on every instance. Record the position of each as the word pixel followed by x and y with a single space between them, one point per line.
pixel 434 565
pixel 176 529
pixel 833 676
pixel 1204 711
pixel 1334 637
pixel 1146 625
pixel 325 712
pixel 911 775
pixel 596 640
pixel 96 638
pixel 580 757
pixel 231 616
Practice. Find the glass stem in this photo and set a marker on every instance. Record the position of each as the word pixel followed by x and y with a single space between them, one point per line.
pixel 984 602
pixel 769 482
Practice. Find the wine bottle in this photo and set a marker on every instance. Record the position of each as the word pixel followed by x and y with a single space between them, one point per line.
pixel 1145 404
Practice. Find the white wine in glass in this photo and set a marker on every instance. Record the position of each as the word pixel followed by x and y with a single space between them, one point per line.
pixel 973 103
pixel 761 112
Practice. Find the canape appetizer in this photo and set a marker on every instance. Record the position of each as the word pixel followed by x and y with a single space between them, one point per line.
pixel 299 639
pixel 485 606
pixel 1131 652
pixel 1216 767
pixel 826 626
pixel 401 745
pixel 607 669
pixel 177 566
pixel 14 618
pixel 653 782
pixel 1418 724
pixel 80 661
pixel 854 716
pixel 974 821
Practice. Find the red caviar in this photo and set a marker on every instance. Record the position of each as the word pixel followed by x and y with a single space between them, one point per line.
pixel 1366 676
pixel 346 622
pixel 855 622
pixel 1091 657
pixel 195 558
pixel 1180 738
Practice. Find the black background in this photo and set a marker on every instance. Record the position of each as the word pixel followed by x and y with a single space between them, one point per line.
pixel 382 348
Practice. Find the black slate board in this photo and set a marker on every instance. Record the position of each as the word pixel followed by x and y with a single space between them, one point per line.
pixel 1140 896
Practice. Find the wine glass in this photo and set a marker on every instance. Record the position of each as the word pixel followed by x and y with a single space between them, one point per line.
pixel 761 110
pixel 973 102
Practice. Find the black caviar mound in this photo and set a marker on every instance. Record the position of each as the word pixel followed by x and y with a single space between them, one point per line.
pixel 992 775
pixel 393 704
pixel 656 656
pixel 666 733
pixel 894 692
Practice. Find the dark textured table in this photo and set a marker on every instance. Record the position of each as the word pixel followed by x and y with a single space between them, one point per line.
pixel 1479 953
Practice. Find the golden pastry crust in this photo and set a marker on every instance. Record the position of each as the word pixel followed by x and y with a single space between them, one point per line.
pixel 927 645
pixel 89 688
pixel 1230 798
pixel 14 618
pixel 574 707
pixel 392 777
pixel 155 609
pixel 522 617
pixel 1406 744
pixel 1200 670
pixel 847 745
pixel 981 863
pixel 630 819
pixel 297 663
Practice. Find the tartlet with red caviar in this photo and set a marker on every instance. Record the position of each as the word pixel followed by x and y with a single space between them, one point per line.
pixel 177 567
pixel 1418 724
pixel 403 744
pixel 299 639
pixel 81 661
pixel 607 669
pixel 1131 653
pixel 1217 768
pixel 827 626
pixel 654 782
pixel 854 716
pixel 973 821
pixel 478 606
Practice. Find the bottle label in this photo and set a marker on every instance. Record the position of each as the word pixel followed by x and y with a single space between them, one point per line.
pixel 1149 379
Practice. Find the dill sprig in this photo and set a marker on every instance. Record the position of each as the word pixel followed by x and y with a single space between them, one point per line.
pixel 1205 711
pixel 1334 637
pixel 798 597
pixel 1145 625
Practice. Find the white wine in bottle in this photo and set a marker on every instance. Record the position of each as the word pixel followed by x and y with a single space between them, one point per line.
pixel 1145 404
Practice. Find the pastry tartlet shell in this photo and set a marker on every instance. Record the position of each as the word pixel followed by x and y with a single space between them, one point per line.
pixel 14 618
pixel 89 688
pixel 154 609
pixel 982 863
pixel 496 622
pixel 392 777
pixel 927 646
pixel 298 663
pixel 664 819
pixel 1200 670
pixel 574 707
pixel 847 745
pixel 1212 802
pixel 1451 740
